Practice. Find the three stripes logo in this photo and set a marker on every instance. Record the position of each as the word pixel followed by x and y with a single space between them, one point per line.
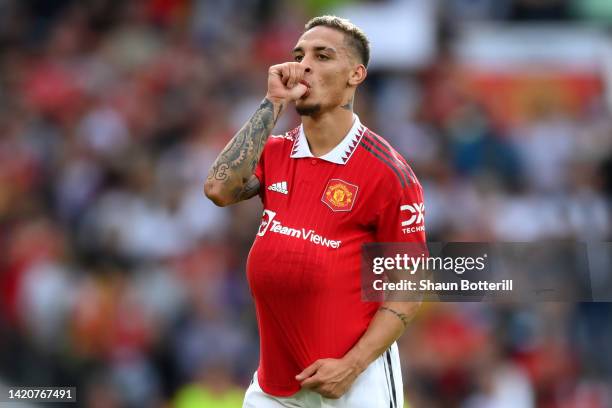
pixel 280 187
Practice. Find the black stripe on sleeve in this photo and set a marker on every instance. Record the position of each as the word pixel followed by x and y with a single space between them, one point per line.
pixel 381 158
pixel 395 161
pixel 388 149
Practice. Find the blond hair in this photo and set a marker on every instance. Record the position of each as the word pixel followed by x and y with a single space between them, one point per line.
pixel 354 36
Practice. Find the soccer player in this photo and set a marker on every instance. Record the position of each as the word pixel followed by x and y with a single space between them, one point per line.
pixel 327 187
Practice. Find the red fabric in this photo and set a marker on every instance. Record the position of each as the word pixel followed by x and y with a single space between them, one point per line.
pixel 304 266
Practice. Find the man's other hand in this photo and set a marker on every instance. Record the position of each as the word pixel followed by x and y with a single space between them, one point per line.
pixel 329 377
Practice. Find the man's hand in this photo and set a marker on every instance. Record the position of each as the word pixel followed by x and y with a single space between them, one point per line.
pixel 231 179
pixel 329 377
pixel 284 83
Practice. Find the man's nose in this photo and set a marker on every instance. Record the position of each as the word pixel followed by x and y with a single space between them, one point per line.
pixel 305 62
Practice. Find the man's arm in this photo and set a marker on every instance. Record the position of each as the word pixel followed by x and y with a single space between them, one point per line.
pixel 231 179
pixel 386 327
pixel 333 377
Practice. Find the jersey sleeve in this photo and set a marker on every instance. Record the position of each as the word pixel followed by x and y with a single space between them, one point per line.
pixel 402 219
pixel 260 169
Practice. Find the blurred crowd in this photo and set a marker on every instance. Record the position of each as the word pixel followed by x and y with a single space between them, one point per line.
pixel 119 277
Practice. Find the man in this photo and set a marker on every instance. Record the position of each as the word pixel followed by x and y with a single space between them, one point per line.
pixel 327 187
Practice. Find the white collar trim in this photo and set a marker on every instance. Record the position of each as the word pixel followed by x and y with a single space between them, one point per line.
pixel 339 154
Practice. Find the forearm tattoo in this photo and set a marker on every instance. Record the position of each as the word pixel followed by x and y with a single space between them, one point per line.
pixel 250 189
pixel 403 317
pixel 235 164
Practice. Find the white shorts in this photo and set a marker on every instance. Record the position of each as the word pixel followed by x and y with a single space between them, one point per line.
pixel 379 386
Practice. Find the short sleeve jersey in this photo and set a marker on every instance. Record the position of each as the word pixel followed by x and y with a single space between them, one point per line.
pixel 304 266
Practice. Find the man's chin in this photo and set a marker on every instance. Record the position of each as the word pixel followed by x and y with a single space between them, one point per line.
pixel 307 109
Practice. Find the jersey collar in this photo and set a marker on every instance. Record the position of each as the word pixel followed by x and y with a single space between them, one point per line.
pixel 339 154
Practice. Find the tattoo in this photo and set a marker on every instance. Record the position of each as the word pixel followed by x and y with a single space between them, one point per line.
pixel 220 173
pixel 277 114
pixel 250 189
pixel 399 315
pixel 235 164
pixel 348 105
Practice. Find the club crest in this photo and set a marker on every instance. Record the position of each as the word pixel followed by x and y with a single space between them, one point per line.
pixel 339 195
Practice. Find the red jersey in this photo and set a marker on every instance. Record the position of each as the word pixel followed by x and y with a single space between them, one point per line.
pixel 304 266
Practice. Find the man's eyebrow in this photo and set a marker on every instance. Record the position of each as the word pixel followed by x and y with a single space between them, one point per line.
pixel 319 48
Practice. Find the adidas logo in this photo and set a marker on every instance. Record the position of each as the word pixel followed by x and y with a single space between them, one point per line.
pixel 280 187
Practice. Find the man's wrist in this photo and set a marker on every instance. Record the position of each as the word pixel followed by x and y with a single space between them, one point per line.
pixel 278 106
pixel 357 360
pixel 274 101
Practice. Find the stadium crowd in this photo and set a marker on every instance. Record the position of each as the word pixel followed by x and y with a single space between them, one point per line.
pixel 118 276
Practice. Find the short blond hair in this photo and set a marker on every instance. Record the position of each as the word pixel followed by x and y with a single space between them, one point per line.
pixel 354 35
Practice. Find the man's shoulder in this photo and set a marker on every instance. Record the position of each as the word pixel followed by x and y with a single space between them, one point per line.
pixel 282 142
pixel 289 135
pixel 386 161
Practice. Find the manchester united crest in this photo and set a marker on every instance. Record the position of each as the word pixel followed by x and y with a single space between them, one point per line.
pixel 339 195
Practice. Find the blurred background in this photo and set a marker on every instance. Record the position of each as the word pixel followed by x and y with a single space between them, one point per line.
pixel 119 277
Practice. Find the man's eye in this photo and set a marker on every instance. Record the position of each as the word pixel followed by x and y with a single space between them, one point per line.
pixel 298 58
pixel 323 57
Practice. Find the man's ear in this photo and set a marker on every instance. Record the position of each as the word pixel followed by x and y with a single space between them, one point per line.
pixel 358 75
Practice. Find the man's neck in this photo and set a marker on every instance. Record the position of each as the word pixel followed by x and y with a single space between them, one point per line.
pixel 326 131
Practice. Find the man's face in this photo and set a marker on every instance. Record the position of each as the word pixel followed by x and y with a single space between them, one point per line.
pixel 329 62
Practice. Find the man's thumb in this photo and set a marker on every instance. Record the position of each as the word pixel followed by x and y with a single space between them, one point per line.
pixel 298 91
